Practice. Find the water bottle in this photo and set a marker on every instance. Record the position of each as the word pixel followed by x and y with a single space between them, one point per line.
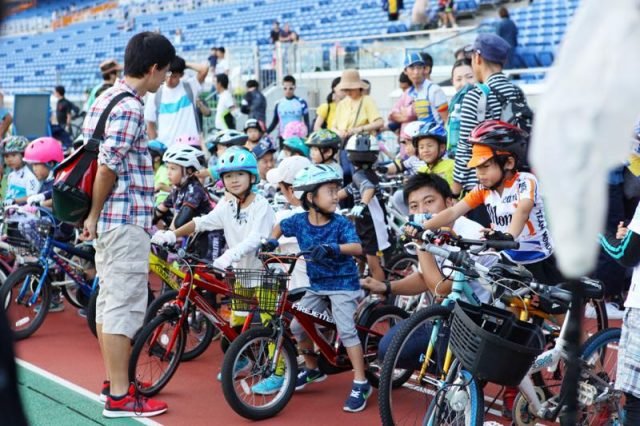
pixel 454 131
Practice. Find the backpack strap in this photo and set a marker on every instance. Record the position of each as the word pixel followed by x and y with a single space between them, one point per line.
pixel 482 104
pixel 189 91
pixel 92 147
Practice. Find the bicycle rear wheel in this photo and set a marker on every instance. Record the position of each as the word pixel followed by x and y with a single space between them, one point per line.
pixel 156 353
pixel 25 316
pixel 405 403
pixel 248 361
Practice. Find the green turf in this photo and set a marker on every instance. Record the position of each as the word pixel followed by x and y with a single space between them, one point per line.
pixel 48 403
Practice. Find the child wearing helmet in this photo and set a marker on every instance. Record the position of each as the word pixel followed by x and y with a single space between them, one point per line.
pixel 161 183
pixel 191 140
pixel 369 207
pixel 254 132
pixel 218 143
pixel 295 146
pixel 265 154
pixel 512 198
pixel 324 146
pixel 43 154
pixel 244 216
pixel 21 182
pixel 331 241
pixel 409 163
pixel 431 144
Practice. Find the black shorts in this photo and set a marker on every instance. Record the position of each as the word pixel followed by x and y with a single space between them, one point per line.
pixel 546 271
pixel 367 233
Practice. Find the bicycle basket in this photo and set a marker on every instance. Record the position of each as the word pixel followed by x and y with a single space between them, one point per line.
pixel 257 289
pixel 28 232
pixel 492 345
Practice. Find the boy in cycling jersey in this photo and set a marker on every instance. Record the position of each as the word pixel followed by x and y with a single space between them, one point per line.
pixel 331 241
pixel 21 182
pixel 512 198
pixel 409 165
pixel 188 199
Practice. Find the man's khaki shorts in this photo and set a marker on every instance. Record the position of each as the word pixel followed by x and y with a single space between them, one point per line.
pixel 122 262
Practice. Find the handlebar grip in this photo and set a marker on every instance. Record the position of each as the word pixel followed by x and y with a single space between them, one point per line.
pixel 502 245
pixel 437 251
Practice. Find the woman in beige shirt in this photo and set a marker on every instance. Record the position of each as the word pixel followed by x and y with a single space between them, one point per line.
pixel 356 113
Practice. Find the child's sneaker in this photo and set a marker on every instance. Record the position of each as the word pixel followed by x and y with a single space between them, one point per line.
pixel 133 405
pixel 54 306
pixel 242 366
pixel 268 386
pixel 357 400
pixel 309 376
pixel 104 393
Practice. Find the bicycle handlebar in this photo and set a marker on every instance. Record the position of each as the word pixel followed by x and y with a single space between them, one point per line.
pixel 465 244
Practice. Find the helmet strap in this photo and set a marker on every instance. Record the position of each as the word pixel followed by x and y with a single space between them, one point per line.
pixel 315 206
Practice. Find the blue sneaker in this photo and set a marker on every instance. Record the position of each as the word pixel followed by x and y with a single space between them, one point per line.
pixel 268 386
pixel 54 306
pixel 309 376
pixel 357 400
pixel 242 366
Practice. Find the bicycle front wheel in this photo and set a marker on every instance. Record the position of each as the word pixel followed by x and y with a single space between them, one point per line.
pixel 249 361
pixel 156 353
pixel 459 402
pixel 404 403
pixel 25 309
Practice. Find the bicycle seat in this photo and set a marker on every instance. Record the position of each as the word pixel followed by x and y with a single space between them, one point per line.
pixel 592 289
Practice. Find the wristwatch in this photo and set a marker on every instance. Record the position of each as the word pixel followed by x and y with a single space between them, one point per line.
pixel 387 290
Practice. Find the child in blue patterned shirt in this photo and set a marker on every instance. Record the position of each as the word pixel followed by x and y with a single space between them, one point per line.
pixel 330 241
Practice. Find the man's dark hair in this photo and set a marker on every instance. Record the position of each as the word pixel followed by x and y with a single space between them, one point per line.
pixel 107 75
pixel 503 12
pixel 253 84
pixel 223 79
pixel 177 65
pixel 428 59
pixel 404 78
pixel 289 79
pixel 222 50
pixel 430 180
pixel 60 90
pixel 145 50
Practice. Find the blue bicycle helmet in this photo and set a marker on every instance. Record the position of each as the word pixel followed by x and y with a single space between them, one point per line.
pixel 264 146
pixel 156 148
pixel 237 159
pixel 311 177
pixel 430 130
pixel 296 144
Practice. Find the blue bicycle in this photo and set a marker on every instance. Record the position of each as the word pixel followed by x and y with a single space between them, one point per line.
pixel 27 292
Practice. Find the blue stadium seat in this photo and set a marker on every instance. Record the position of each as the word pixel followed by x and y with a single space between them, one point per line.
pixel 545 58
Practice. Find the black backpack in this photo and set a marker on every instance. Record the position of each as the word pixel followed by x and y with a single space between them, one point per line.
pixel 515 109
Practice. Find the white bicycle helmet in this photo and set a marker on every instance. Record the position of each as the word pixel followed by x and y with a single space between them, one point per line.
pixel 185 156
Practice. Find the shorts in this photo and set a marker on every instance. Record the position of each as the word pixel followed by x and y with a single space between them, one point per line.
pixel 628 375
pixel 343 309
pixel 546 271
pixel 366 230
pixel 122 263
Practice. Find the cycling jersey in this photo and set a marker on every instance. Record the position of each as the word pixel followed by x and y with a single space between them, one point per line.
pixel 21 183
pixel 288 110
pixel 535 241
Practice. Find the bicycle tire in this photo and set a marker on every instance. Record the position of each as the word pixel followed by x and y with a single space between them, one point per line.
pixel 440 405
pixel 370 343
pixel 199 335
pixel 387 385
pixel 73 294
pixel 236 350
pixel 399 265
pixel 16 313
pixel 154 331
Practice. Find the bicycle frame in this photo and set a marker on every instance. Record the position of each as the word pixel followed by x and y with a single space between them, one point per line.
pixel 167 272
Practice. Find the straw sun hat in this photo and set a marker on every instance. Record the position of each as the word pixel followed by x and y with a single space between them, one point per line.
pixel 351 80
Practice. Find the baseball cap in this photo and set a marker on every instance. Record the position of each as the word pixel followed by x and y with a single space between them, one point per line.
pixel 413 59
pixel 262 148
pixel 492 47
pixel 287 170
pixel 110 65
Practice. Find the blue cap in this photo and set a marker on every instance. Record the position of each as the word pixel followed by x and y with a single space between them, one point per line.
pixel 413 59
pixel 262 148
pixel 492 48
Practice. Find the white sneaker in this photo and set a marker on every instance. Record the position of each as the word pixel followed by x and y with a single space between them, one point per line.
pixel 613 311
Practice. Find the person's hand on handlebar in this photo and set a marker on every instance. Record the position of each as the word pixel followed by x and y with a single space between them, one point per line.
pixel 491 234
pixel 163 238
pixel 323 251
pixel 412 229
pixel 268 245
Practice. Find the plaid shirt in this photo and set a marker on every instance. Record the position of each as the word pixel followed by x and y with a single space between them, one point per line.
pixel 124 150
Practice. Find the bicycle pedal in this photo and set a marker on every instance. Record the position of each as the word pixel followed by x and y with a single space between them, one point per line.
pixel 586 393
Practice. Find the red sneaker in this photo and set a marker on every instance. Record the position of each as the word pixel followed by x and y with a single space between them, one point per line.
pixel 104 392
pixel 133 405
pixel 508 398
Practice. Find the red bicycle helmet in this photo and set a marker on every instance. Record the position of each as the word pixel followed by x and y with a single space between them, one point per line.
pixel 494 138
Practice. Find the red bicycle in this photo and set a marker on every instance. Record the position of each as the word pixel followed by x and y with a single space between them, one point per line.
pixel 262 351
pixel 159 345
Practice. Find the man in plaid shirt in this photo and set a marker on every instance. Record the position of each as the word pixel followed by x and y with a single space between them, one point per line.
pixel 120 219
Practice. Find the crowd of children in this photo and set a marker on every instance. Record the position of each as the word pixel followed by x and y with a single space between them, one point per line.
pixel 249 168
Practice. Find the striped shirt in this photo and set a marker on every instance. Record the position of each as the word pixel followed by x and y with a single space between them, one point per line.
pixel 469 120
pixel 124 151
